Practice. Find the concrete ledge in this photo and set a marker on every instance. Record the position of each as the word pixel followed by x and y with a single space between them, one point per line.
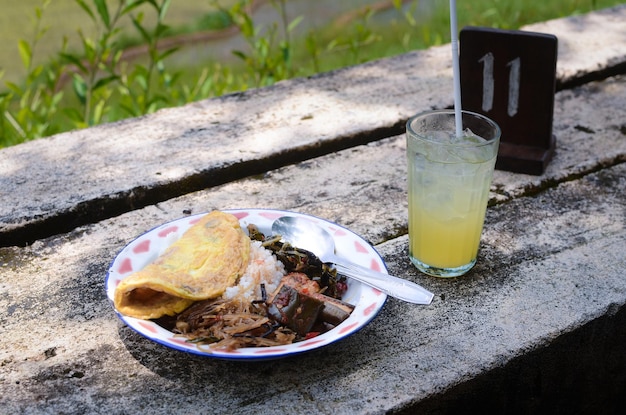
pixel 545 281
pixel 583 56
pixel 84 176
pixel 580 372
pixel 538 326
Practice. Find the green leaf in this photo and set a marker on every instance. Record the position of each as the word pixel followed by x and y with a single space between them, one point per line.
pixel 409 17
pixel 35 103
pixel 140 70
pixel 89 47
pixel 286 52
pixel 15 124
pixel 15 88
pixel 164 7
pixel 295 22
pixel 25 53
pixel 161 30
pixel 74 60
pixel 75 116
pixel 103 11
pixel 137 23
pixel 167 53
pixel 105 81
pixel 86 8
pixel 142 80
pixel 240 54
pixel 98 112
pixel 57 98
pixel 160 67
pixel 132 5
pixel 247 26
pixel 80 88
pixel 130 110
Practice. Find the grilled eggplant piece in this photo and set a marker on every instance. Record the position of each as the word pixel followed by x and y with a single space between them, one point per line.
pixel 294 309
pixel 332 311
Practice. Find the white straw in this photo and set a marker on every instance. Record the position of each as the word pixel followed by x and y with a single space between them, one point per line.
pixel 455 69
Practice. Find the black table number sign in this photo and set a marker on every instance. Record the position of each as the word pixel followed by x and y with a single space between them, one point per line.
pixel 510 76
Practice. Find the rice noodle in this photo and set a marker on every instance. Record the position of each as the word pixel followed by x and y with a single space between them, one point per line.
pixel 233 321
pixel 240 317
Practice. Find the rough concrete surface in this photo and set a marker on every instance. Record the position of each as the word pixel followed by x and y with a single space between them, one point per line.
pixel 538 326
pixel 588 45
pixel 77 176
pixel 537 278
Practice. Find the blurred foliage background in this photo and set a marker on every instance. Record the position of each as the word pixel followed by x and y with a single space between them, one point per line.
pixel 69 64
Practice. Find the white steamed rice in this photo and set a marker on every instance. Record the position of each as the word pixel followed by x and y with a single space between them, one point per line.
pixel 264 268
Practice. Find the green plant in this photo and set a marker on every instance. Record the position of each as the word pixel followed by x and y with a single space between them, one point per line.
pixel 106 85
pixel 361 36
pixel 265 62
pixel 145 88
pixel 27 110
pixel 95 68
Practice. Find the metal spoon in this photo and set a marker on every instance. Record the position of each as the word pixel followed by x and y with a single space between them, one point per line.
pixel 305 234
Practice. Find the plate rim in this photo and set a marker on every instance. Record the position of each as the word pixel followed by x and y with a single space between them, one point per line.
pixel 260 353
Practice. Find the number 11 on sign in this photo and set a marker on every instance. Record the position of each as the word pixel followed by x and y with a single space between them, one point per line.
pixel 489 83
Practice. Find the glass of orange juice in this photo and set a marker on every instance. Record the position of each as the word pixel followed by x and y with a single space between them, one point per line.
pixel 449 179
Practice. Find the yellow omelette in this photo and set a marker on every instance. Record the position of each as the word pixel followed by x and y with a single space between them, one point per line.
pixel 207 259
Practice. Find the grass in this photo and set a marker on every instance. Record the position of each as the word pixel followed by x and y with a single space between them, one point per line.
pixel 391 33
pixel 16 23
pixel 285 47
pixel 400 35
pixel 64 18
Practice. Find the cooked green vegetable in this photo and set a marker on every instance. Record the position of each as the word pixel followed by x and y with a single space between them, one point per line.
pixel 300 260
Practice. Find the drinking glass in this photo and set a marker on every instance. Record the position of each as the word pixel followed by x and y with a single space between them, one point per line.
pixel 448 179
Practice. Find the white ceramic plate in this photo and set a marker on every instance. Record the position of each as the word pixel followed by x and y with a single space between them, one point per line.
pixel 147 247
